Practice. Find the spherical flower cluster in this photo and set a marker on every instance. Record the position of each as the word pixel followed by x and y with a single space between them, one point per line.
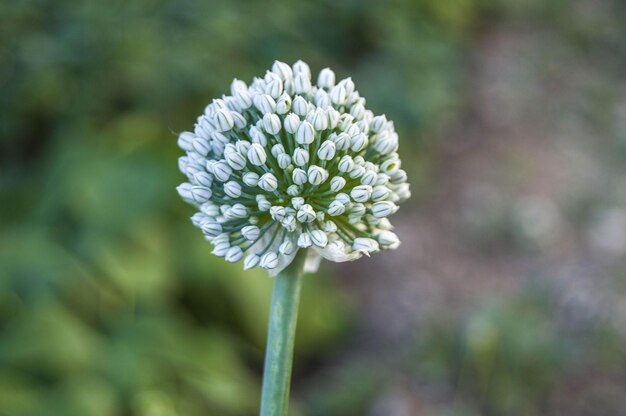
pixel 283 164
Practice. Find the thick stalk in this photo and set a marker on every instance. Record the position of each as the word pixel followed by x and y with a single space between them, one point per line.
pixel 281 333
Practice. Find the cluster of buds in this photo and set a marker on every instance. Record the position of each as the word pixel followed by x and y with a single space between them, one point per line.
pixel 283 164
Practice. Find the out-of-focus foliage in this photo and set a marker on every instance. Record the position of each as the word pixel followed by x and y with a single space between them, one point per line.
pixel 110 303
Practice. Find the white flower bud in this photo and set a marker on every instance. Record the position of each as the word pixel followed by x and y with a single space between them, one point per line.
pixel 385 224
pixel 371 220
pixel 238 211
pixel 361 193
pixel 346 164
pixel 243 146
pixel 201 146
pixel 289 223
pixel 232 189
pixel 390 166
pixel 199 218
pixel 403 192
pixel 301 67
pixel 243 99
pixel 268 182
pixel 222 171
pixel 304 240
pixel 250 179
pixel 235 160
pixel 239 120
pixel 348 84
pixel 352 130
pixel 300 157
pixel 184 190
pixel 200 194
pixel 288 87
pixel 265 104
pixel 300 106
pixel 269 260
pixel 283 105
pixel 386 143
pixel 299 176
pixel 305 133
pixel 382 209
pixel 388 239
pixel 251 232
pixel 257 136
pixel 193 168
pixel 369 178
pixel 337 183
pixel 336 208
pixel 221 238
pixel 293 190
pixel 271 123
pixel 282 70
pixel 223 120
pixel 211 228
pixel 326 78
pixel 257 155
pixel 345 121
pixel 330 227
pixel 357 172
pixel 333 117
pixel 291 123
pixel 378 123
pixel 381 179
pixel 252 260
pixel 338 95
pixel 343 198
pixel 319 238
pixel 297 202
pixel 230 148
pixel 263 203
pixel 342 141
pixel 317 175
pixel 183 163
pixel 358 111
pixel 398 177
pixel 322 99
pixel 326 150
pixel 358 209
pixel 203 178
pixel 237 85
pixel 185 140
pixel 220 249
pixel 277 212
pixel 365 245
pixel 277 149
pixel 320 120
pixel 234 254
pixel 210 209
pixel 284 160
pixel 286 248
pixel 359 142
pixel 274 88
pixel 306 213
pixel 302 84
pixel 380 193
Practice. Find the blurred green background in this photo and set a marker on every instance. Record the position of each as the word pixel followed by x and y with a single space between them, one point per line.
pixel 506 298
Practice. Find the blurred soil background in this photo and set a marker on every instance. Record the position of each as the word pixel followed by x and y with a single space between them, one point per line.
pixel 507 296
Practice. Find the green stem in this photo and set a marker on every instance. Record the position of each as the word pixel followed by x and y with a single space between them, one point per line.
pixel 280 339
